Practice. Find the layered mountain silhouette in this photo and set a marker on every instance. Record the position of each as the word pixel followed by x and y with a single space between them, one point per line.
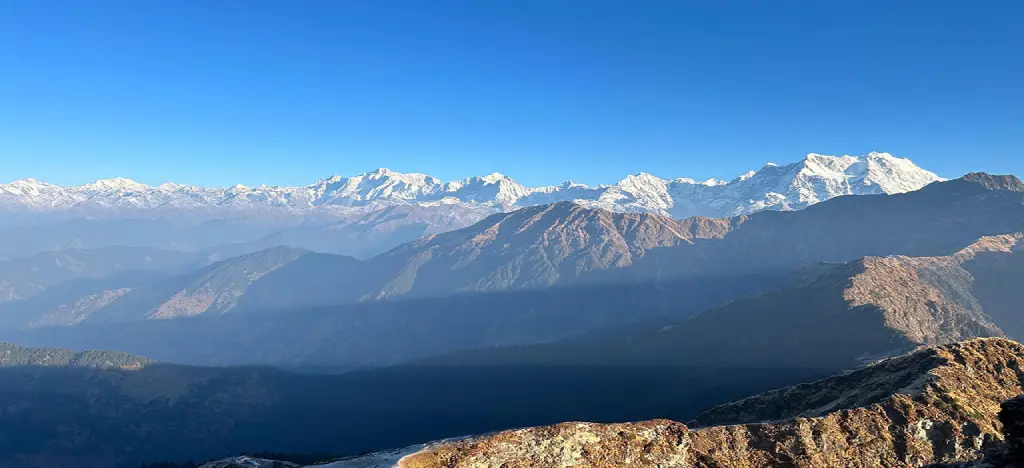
pixel 565 243
pixel 516 320
pixel 848 313
pixel 862 309
pixel 568 270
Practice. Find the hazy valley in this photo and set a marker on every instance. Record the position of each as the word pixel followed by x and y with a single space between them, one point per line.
pixel 514 321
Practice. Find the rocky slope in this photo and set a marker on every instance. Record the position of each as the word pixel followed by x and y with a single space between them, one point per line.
pixel 532 247
pixel 793 186
pixel 932 406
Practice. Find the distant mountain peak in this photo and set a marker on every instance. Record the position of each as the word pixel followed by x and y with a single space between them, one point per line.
pixel 644 176
pixel 494 177
pixel 114 184
pixel 570 185
pixel 531 247
pixel 328 180
pixel 814 179
pixel 816 156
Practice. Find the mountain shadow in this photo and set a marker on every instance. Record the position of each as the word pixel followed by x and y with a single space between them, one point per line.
pixel 377 333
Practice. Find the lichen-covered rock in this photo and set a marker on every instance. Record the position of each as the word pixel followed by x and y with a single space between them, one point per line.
pixel 937 405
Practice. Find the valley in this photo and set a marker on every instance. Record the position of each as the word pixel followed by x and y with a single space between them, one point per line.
pixel 514 321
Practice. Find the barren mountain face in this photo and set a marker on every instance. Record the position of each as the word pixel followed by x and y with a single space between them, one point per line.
pixel 527 248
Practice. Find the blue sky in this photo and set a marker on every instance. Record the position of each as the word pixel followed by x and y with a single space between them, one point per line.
pixel 280 92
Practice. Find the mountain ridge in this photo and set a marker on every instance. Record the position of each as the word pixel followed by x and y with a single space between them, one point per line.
pixel 937 405
pixel 577 251
pixel 793 186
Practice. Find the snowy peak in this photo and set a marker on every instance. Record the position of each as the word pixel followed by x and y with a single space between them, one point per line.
pixel 819 177
pixel 25 186
pixel 874 173
pixel 567 185
pixel 379 172
pixel 327 180
pixel 381 184
pixel 494 178
pixel 815 178
pixel 115 184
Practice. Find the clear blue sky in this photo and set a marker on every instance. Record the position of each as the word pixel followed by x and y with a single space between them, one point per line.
pixel 217 92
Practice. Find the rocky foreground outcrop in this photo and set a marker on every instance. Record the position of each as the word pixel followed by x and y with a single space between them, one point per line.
pixel 938 405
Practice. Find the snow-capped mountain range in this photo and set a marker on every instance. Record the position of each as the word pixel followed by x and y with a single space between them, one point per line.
pixel 773 187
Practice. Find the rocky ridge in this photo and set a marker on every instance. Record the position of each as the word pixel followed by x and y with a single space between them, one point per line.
pixel 536 246
pixel 938 405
